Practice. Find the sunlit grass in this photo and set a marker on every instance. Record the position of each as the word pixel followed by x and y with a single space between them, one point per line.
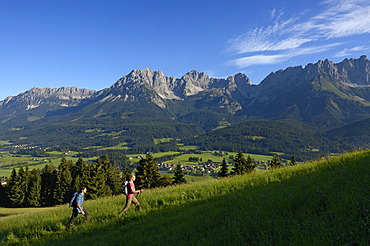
pixel 318 203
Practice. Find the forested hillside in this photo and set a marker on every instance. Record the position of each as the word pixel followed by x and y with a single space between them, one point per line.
pixel 309 111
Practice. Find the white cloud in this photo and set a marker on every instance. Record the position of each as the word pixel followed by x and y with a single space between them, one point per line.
pixel 258 60
pixel 344 18
pixel 347 52
pixel 341 18
pixel 273 59
pixel 269 38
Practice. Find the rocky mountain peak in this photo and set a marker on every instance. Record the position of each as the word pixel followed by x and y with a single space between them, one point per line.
pixel 35 97
pixel 194 82
pixel 61 93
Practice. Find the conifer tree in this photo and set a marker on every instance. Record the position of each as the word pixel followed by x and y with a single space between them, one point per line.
pixel 109 176
pixel 275 162
pixel 14 192
pixel 90 177
pixel 126 172
pixel 77 172
pixel 114 179
pixel 23 185
pixel 102 189
pixel 48 178
pixel 63 189
pixel 224 170
pixel 249 167
pixel 166 181
pixel 33 196
pixel 147 174
pixel 293 161
pixel 3 196
pixel 179 177
pixel 239 164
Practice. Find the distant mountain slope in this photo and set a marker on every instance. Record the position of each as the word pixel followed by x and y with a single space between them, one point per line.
pixel 322 95
pixel 38 103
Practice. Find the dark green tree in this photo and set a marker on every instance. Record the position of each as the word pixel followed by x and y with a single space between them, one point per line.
pixel 14 191
pixel 293 161
pixel 147 174
pixel 126 172
pixel 249 166
pixel 179 177
pixel 101 182
pixel 166 181
pixel 113 176
pixel 63 182
pixel 33 196
pixel 224 172
pixel 3 196
pixel 23 176
pixel 115 180
pixel 48 178
pixel 77 173
pixel 105 170
pixel 239 164
pixel 275 162
pixel 90 177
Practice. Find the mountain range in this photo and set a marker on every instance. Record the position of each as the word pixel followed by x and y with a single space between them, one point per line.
pixel 320 97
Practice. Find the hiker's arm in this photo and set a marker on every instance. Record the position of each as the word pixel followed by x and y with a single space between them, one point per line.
pixel 134 190
pixel 137 191
pixel 80 208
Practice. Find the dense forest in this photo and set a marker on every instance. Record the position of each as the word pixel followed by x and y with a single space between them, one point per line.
pixel 258 137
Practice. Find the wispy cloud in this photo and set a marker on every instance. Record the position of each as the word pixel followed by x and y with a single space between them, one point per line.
pixel 269 38
pixel 347 52
pixel 344 18
pixel 273 59
pixel 288 37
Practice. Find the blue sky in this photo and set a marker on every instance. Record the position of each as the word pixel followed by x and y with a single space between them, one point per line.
pixel 92 43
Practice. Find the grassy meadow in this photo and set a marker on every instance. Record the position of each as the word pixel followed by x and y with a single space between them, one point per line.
pixel 317 203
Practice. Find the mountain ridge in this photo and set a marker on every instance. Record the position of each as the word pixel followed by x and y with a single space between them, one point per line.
pixel 287 92
pixel 321 95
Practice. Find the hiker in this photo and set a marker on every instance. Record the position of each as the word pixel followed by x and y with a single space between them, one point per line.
pixel 130 197
pixel 77 207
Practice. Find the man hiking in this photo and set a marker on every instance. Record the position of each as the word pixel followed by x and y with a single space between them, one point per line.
pixel 77 207
pixel 130 197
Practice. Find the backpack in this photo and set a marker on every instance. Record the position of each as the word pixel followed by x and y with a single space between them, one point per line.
pixel 125 187
pixel 72 202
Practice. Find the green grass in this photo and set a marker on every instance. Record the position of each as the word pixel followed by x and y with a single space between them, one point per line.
pixel 318 203
pixel 5 172
pixel 161 140
pixel 208 155
pixel 20 211
pixel 187 147
pixel 8 161
pixel 5 143
pixel 119 146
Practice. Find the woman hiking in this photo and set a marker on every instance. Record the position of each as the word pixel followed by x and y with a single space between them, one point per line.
pixel 130 197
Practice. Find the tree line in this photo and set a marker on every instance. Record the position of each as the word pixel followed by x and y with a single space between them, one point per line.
pixel 52 186
pixel 244 165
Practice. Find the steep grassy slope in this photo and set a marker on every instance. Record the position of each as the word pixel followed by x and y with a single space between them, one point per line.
pixel 318 203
